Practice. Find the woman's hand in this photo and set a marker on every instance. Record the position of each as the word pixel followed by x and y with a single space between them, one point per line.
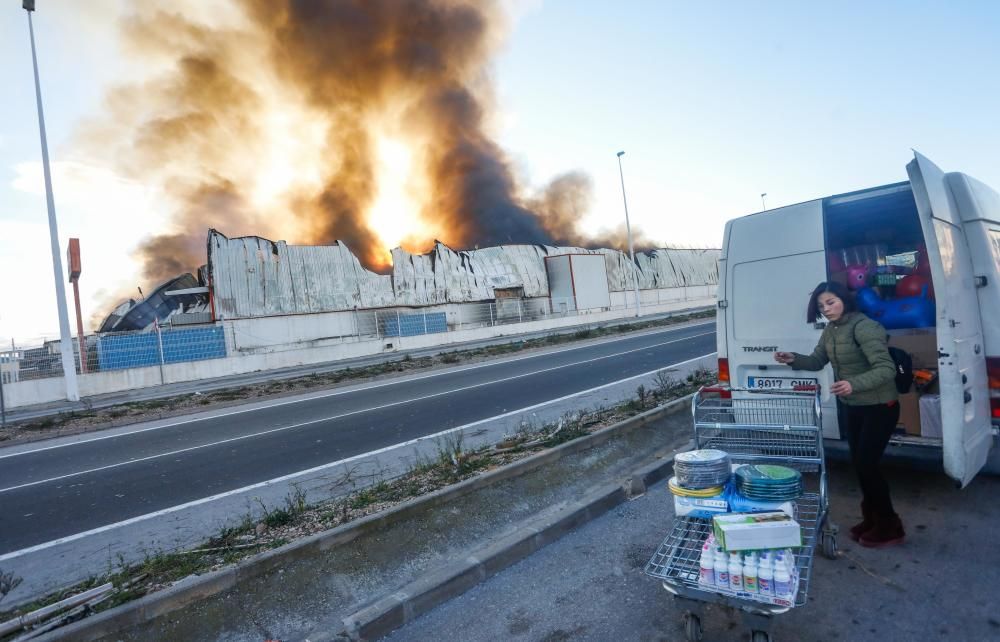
pixel 784 357
pixel 841 388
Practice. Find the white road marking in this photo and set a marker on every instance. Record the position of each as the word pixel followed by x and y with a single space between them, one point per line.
pixel 333 417
pixel 277 480
pixel 334 393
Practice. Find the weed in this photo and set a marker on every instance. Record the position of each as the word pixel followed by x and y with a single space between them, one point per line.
pixel 296 500
pixel 450 357
pixel 8 582
pixel 278 517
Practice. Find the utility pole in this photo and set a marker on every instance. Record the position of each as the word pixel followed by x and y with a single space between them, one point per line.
pixel 66 342
pixel 628 230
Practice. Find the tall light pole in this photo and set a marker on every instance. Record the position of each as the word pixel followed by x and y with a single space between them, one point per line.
pixel 628 230
pixel 65 344
pixel 762 205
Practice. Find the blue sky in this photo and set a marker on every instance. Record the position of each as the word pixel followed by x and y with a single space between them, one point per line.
pixel 713 102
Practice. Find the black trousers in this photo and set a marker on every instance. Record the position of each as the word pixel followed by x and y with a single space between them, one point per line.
pixel 868 429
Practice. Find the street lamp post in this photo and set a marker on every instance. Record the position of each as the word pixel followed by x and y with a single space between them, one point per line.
pixel 762 205
pixel 628 230
pixel 65 344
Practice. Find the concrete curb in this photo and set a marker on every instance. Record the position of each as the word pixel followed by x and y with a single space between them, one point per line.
pixel 420 596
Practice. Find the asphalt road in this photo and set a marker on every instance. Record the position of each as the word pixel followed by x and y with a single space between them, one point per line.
pixel 51 492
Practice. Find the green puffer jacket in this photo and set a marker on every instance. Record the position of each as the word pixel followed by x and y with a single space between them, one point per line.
pixel 856 348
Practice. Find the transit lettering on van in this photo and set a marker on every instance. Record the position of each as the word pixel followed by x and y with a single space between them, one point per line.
pixel 922 258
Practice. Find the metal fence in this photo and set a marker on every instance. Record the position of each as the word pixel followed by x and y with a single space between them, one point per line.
pixel 168 345
pixel 114 351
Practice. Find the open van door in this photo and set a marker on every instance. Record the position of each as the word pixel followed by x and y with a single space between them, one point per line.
pixel 965 409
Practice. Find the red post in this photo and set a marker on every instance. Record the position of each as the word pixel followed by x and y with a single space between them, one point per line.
pixel 75 268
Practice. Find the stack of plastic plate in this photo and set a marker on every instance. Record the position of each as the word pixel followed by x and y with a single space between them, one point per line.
pixel 701 469
pixel 691 492
pixel 768 483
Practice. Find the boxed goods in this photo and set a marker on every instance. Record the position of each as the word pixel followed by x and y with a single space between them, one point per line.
pixel 909 413
pixel 704 507
pixel 756 531
pixel 930 416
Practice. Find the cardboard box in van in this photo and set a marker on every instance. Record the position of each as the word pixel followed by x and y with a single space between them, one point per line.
pixel 909 413
pixel 920 343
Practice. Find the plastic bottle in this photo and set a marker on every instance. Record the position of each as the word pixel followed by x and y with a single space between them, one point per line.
pixel 782 582
pixel 707 565
pixel 765 577
pixel 790 561
pixel 750 573
pixel 721 570
pixel 735 572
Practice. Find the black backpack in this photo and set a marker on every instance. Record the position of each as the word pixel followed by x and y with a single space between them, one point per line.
pixel 903 362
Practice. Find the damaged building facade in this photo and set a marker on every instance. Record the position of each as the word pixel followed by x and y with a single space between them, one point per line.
pixel 259 304
pixel 279 294
pixel 273 294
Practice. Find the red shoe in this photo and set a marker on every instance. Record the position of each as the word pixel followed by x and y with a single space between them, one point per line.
pixel 866 524
pixel 886 532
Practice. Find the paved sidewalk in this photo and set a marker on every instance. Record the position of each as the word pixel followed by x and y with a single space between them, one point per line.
pixel 590 584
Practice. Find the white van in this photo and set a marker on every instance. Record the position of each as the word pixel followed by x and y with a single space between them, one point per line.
pixel 944 226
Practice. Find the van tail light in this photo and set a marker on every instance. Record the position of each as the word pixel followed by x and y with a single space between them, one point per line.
pixel 993 374
pixel 724 371
pixel 722 391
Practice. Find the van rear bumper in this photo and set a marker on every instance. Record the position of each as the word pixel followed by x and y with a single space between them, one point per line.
pixel 919 456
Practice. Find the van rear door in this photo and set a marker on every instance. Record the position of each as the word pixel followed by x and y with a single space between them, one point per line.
pixel 979 205
pixel 967 434
pixel 774 259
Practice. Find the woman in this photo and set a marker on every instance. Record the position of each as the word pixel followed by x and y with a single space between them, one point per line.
pixel 864 383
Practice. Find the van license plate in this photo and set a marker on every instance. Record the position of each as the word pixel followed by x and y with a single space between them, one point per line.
pixel 779 383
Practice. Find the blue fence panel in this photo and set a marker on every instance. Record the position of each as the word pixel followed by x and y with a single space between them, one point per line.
pixel 119 351
pixel 411 325
pixel 194 344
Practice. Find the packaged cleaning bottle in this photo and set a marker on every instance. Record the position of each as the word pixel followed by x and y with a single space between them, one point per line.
pixel 707 565
pixel 749 574
pixel 735 572
pixel 721 570
pixel 782 582
pixel 765 577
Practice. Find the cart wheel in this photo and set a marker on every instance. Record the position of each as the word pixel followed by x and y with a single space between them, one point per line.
pixel 760 636
pixel 692 627
pixel 828 544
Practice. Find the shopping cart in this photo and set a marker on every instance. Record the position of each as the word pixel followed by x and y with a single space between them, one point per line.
pixel 783 428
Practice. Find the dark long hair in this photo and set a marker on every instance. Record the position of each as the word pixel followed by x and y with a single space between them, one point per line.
pixel 837 290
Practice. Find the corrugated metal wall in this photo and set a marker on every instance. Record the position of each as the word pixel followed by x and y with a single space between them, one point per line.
pixel 254 277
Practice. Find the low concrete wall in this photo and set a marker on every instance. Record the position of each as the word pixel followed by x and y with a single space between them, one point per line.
pixel 245 360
